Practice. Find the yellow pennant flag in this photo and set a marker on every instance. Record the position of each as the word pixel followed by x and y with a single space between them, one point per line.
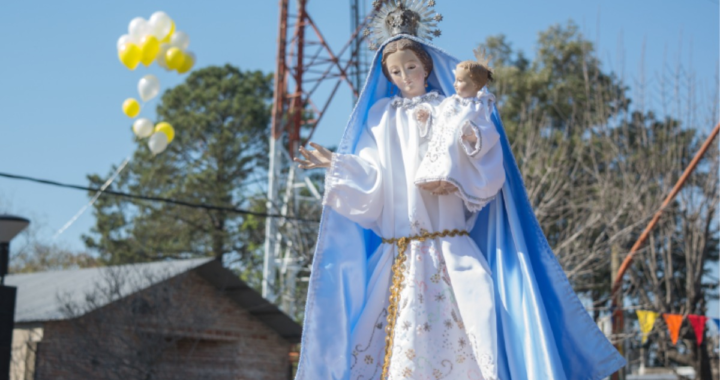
pixel 647 321
pixel 673 321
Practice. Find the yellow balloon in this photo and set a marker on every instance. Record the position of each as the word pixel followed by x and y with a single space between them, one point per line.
pixel 150 47
pixel 187 63
pixel 167 129
pixel 166 39
pixel 131 107
pixel 174 58
pixel 130 55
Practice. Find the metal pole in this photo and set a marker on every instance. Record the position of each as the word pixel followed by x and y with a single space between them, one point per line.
pixel 297 103
pixel 616 306
pixel 357 52
pixel 7 313
pixel 271 224
pixel 7 323
pixel 276 129
pixel 618 324
pixel 4 260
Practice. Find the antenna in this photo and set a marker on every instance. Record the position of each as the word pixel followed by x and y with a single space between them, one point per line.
pixel 307 70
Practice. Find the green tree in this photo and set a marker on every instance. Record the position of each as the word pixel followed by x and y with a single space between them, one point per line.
pixel 564 85
pixel 221 117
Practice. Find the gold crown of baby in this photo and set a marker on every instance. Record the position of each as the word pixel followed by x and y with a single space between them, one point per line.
pixel 393 17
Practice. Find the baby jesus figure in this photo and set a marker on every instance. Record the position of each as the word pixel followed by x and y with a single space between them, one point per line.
pixel 462 136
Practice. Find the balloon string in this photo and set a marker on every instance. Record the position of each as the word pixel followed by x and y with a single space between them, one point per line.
pixel 94 198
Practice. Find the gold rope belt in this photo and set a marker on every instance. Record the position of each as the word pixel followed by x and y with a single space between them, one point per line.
pixel 398 268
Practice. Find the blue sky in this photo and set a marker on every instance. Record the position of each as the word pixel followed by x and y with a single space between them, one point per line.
pixel 62 84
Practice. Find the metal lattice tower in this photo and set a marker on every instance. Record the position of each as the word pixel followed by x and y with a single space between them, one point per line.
pixel 306 68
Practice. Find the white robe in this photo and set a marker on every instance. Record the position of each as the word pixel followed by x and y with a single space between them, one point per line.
pixel 445 328
pixel 470 167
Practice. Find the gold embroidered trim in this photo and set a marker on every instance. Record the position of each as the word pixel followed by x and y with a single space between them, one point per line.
pixel 398 268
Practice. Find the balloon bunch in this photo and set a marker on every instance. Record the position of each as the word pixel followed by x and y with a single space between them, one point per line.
pixel 155 40
pixel 162 133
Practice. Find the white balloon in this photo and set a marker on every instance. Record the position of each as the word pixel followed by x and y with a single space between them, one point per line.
pixel 158 142
pixel 180 40
pixel 160 23
pixel 139 27
pixel 160 59
pixel 148 87
pixel 124 39
pixel 143 128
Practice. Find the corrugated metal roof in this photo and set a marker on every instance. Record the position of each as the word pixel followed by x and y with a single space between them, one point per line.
pixel 41 296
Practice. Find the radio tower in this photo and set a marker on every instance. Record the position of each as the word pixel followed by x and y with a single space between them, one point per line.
pixel 308 74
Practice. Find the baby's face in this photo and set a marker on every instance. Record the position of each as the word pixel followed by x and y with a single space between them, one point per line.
pixel 464 86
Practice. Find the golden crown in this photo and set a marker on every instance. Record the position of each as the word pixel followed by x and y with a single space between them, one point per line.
pixel 393 17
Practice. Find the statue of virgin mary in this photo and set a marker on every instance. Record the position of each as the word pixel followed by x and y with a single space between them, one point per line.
pixel 407 284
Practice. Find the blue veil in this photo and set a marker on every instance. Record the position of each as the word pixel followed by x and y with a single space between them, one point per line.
pixel 544 330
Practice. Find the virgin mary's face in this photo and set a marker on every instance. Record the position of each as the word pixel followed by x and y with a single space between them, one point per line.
pixel 407 73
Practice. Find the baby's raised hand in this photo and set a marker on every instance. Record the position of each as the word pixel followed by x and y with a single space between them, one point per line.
pixel 469 136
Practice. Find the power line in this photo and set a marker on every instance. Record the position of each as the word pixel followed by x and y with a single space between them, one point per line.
pixel 154 199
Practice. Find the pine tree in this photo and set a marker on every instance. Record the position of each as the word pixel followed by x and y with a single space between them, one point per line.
pixel 221 117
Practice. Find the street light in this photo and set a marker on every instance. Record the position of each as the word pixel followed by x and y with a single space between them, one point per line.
pixel 10 226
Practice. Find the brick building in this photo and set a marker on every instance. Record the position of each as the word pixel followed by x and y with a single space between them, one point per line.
pixel 189 319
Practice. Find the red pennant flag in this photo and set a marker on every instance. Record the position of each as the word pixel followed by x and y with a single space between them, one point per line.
pixel 698 324
pixel 673 321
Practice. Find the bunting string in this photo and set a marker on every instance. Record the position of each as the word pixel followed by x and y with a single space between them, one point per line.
pixel 647 318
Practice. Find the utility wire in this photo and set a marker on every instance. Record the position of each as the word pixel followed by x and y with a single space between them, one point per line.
pixel 154 199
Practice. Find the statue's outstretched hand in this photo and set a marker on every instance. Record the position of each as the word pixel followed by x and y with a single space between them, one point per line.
pixel 319 158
